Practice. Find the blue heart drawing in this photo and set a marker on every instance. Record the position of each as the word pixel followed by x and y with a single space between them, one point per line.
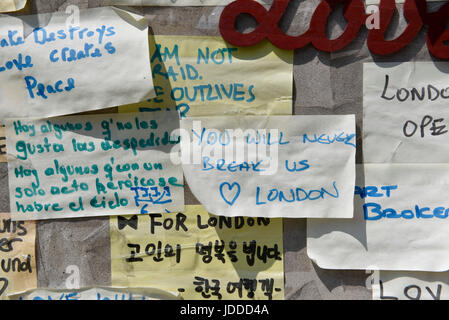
pixel 230 187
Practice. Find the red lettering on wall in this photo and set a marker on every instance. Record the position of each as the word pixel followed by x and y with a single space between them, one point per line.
pixel 415 11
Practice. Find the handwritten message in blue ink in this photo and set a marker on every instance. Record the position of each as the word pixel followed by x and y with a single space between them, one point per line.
pixel 56 68
pixel 107 293
pixel 197 76
pixel 93 165
pixel 400 222
pixel 277 166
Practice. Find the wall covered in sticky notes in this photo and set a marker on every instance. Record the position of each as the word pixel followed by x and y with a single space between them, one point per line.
pixel 85 252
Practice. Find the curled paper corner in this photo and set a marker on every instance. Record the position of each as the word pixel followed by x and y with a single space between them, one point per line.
pixel 12 5
pixel 375 287
pixel 316 258
pixel 20 4
pixel 321 265
pixel 134 19
pixel 312 258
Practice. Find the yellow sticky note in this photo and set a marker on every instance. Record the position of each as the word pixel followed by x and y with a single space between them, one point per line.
pixel 199 255
pixel 205 76
pixel 17 256
pixel 11 5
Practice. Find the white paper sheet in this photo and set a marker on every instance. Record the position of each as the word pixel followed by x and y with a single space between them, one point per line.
pixel 93 165
pixel 279 166
pixel 100 293
pixel 405 114
pixel 413 238
pixel 52 64
pixel 409 285
pixel 193 3
pixel 397 1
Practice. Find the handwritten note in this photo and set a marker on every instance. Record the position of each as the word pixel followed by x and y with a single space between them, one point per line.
pixel 2 145
pixel 400 222
pixel 278 166
pixel 403 285
pixel 17 257
pixel 101 293
pixel 202 76
pixel 93 165
pixel 405 112
pixel 12 5
pixel 49 68
pixel 199 255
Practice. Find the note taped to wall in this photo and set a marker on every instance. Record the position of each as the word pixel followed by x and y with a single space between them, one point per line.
pixel 277 166
pixel 190 3
pixel 2 145
pixel 49 68
pixel 17 256
pixel 199 255
pixel 12 5
pixel 397 1
pixel 93 165
pixel 400 222
pixel 409 285
pixel 101 293
pixel 405 116
pixel 203 76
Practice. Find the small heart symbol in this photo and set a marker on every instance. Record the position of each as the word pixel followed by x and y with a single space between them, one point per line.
pixel 230 187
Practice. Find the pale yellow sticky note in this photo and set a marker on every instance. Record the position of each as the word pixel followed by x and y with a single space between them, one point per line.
pixel 199 255
pixel 2 145
pixel 11 5
pixel 17 256
pixel 203 76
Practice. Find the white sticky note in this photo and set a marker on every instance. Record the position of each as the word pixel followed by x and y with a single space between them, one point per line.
pixel 410 285
pixel 54 64
pixel 95 165
pixel 405 114
pixel 100 293
pixel 276 166
pixel 400 222
pixel 193 3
